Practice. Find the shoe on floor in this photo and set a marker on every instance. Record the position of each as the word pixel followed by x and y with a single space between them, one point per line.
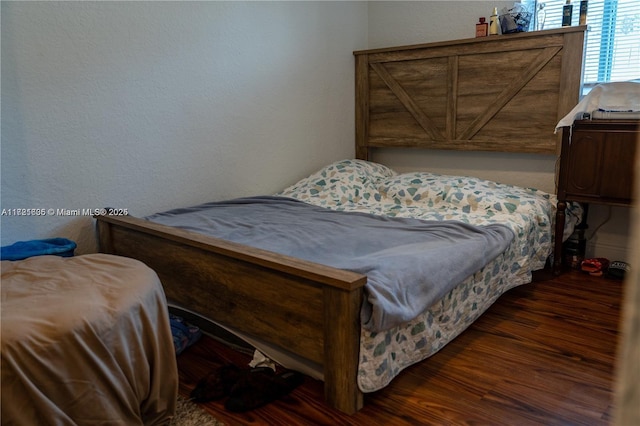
pixel 217 384
pixel 260 386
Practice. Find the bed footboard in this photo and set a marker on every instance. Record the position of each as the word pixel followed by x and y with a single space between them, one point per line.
pixel 309 309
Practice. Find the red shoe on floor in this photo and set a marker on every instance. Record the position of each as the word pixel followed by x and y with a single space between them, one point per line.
pixel 595 266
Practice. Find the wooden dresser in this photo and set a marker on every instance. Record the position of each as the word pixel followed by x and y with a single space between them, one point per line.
pixel 596 166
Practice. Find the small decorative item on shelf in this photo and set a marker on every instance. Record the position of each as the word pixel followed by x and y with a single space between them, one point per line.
pixel 493 22
pixel 584 4
pixel 541 16
pixel 482 28
pixel 567 14
pixel 515 19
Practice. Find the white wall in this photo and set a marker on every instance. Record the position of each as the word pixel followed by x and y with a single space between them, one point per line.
pixel 154 105
pixel 400 23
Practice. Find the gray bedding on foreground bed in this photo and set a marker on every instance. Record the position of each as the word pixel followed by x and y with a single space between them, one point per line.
pixel 85 340
pixel 410 263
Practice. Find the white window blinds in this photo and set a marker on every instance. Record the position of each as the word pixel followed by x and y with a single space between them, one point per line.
pixel 612 40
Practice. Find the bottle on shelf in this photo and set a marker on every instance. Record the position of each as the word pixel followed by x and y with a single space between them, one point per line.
pixel 493 22
pixel 567 14
pixel 540 16
pixel 482 28
pixel 584 4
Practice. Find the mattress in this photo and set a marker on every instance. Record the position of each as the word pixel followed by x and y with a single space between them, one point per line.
pixel 85 340
pixel 374 189
pixel 360 186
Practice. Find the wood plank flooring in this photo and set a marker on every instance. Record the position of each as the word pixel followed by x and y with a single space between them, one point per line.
pixel 543 354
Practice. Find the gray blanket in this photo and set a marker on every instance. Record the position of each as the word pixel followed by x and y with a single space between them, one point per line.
pixel 409 263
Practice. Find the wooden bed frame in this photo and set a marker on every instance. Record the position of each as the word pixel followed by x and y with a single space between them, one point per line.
pixel 500 93
pixel 465 94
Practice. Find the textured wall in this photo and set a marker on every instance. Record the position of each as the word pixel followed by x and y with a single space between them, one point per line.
pixel 154 105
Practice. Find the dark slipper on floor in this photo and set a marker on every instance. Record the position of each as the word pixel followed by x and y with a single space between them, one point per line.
pixel 260 386
pixel 217 384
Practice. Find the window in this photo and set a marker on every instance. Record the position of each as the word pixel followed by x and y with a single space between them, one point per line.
pixel 612 40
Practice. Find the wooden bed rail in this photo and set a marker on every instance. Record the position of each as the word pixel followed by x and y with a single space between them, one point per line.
pixel 324 274
pixel 308 309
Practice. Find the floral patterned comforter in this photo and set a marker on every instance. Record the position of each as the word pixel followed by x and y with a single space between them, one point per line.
pixel 356 185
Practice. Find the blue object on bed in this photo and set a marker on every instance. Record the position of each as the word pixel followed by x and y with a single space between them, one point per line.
pixel 24 249
pixel 409 263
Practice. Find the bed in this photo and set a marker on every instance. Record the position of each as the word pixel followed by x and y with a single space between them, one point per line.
pixel 422 96
pixel 85 340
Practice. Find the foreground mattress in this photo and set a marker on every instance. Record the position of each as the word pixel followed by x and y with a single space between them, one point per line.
pixel 85 340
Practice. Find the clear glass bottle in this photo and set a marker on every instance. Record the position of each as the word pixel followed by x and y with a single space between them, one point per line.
pixel 541 15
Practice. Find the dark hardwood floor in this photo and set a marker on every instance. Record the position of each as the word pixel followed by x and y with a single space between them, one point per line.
pixel 543 354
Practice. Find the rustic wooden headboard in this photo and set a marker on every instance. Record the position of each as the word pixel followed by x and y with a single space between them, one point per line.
pixel 501 93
